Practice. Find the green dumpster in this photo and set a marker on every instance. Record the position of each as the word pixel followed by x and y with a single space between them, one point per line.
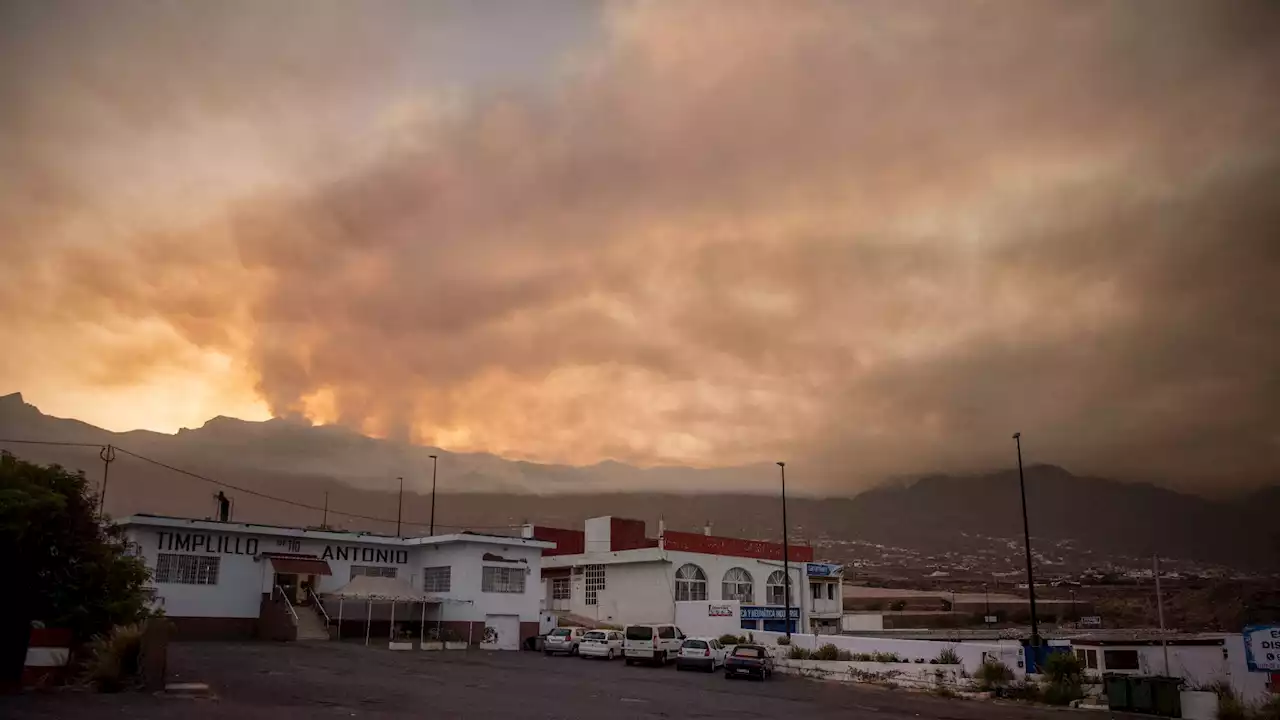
pixel 1119 693
pixel 1143 697
pixel 1168 696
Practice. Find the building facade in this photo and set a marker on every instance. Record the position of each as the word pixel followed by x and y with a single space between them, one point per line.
pixel 224 579
pixel 613 573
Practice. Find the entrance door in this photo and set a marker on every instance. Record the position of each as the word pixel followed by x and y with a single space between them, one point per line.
pixel 288 582
pixel 501 632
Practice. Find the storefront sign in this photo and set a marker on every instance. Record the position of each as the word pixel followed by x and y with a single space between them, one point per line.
pixel 821 569
pixel 206 543
pixel 1091 621
pixel 720 611
pixel 381 556
pixel 757 612
pixel 1262 648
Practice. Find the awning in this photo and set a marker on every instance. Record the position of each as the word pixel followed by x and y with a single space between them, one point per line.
pixel 368 587
pixel 299 565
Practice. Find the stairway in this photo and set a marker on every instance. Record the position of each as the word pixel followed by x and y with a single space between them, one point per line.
pixel 311 625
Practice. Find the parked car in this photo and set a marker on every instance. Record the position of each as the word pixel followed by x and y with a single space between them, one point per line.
pixel 652 643
pixel 703 653
pixel 605 644
pixel 564 640
pixel 748 661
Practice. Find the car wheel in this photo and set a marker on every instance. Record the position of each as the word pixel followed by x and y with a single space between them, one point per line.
pixel 711 666
pixel 609 656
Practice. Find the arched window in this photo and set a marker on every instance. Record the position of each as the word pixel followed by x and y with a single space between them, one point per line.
pixel 738 586
pixel 691 583
pixel 774 591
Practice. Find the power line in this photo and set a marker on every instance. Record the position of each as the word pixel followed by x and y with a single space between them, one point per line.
pixel 53 442
pixel 295 503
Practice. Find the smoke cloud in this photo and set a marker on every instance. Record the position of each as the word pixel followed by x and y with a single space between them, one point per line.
pixel 871 238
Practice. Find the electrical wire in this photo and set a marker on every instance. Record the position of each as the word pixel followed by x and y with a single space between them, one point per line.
pixel 53 442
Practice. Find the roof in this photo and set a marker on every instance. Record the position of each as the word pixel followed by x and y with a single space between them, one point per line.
pixel 369 587
pixel 144 520
pixel 606 558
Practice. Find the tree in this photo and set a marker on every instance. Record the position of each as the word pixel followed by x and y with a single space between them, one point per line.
pixel 70 568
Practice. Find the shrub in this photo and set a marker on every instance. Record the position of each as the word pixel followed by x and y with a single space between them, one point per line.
pixel 886 657
pixel 114 659
pixel 944 691
pixel 1062 693
pixel 1064 669
pixel 784 640
pixel 948 656
pixel 1021 690
pixel 1230 707
pixel 827 652
pixel 1269 710
pixel 993 675
pixel 844 655
pixel 798 653
pixel 728 639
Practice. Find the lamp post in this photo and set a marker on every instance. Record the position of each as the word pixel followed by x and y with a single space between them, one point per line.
pixel 433 494
pixel 986 596
pixel 786 552
pixel 1026 537
pixel 399 506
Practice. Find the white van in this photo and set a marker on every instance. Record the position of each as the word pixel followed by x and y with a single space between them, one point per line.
pixel 652 643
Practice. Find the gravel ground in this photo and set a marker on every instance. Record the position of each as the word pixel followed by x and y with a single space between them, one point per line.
pixel 261 681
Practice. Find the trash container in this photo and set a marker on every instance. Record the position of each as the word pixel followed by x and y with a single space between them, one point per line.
pixel 1119 692
pixel 1167 696
pixel 1142 698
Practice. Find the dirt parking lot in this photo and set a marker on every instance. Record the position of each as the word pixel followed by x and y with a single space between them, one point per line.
pixel 261 681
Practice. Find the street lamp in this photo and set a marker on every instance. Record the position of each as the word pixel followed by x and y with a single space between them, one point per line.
pixel 786 552
pixel 433 494
pixel 399 505
pixel 1026 537
pixel 986 596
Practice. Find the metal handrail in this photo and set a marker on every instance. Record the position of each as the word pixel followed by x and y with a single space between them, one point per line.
pixel 315 601
pixel 288 604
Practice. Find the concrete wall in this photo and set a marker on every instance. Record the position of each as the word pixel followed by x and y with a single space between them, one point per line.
pixel 910 675
pixel 599 533
pixel 972 654
pixel 854 622
pixel 1199 665
pixel 633 593
pixel 695 618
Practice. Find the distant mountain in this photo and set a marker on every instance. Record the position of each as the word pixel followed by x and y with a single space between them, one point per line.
pixel 356 474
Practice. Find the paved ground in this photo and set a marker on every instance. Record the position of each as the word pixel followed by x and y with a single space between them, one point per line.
pixel 328 680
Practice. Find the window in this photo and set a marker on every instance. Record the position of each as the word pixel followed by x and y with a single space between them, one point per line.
pixel 502 580
pixel 437 579
pixel 1088 658
pixel 666 631
pixel 746 651
pixel 738 586
pixel 560 589
pixel 816 590
pixel 775 593
pixel 691 583
pixel 187 569
pixel 831 591
pixel 372 571
pixel 695 644
pixel 639 632
pixel 595 583
pixel 1120 659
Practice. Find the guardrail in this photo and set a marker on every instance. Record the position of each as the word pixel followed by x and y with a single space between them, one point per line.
pixel 293 613
pixel 315 602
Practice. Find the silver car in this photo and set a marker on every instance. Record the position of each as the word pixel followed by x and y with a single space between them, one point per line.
pixel 564 640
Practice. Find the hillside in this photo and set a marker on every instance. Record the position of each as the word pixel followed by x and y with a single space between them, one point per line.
pixel 1100 518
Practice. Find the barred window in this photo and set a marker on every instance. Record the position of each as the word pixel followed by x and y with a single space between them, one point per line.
pixel 502 580
pixel 595 583
pixel 187 569
pixel 373 571
pixel 437 579
pixel 777 589
pixel 738 586
pixel 560 589
pixel 691 583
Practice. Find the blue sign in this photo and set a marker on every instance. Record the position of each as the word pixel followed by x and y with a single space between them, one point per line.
pixel 759 612
pixel 1262 648
pixel 821 569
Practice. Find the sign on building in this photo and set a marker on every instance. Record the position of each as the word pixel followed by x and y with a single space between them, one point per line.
pixel 1090 621
pixel 758 612
pixel 821 569
pixel 720 610
pixel 1262 648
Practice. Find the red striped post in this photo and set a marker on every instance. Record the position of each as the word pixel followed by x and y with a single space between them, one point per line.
pixel 48 654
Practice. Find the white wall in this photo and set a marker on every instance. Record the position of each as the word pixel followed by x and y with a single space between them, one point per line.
pixel 465 582
pixel 633 593
pixel 864 622
pixel 694 618
pixel 972 654
pixel 237 594
pixel 598 534
pixel 1199 665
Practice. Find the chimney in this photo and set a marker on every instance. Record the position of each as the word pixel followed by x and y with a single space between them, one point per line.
pixel 224 506
pixel 706 529
pixel 526 531
pixel 662 532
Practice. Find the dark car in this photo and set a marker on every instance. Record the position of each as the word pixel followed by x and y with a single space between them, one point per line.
pixel 748 661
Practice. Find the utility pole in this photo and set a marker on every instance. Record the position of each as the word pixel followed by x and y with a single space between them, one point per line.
pixel 399 506
pixel 433 494
pixel 325 521
pixel 1164 638
pixel 108 456
pixel 1026 537
pixel 786 552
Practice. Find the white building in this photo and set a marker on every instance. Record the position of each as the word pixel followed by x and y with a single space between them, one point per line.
pixel 611 573
pixel 1200 660
pixel 227 580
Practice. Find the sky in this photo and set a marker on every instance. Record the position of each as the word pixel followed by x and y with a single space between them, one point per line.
pixel 877 237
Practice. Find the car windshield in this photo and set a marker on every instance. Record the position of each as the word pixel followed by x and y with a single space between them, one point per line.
pixel 747 652
pixel 560 632
pixel 594 635
pixel 695 644
pixel 639 632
